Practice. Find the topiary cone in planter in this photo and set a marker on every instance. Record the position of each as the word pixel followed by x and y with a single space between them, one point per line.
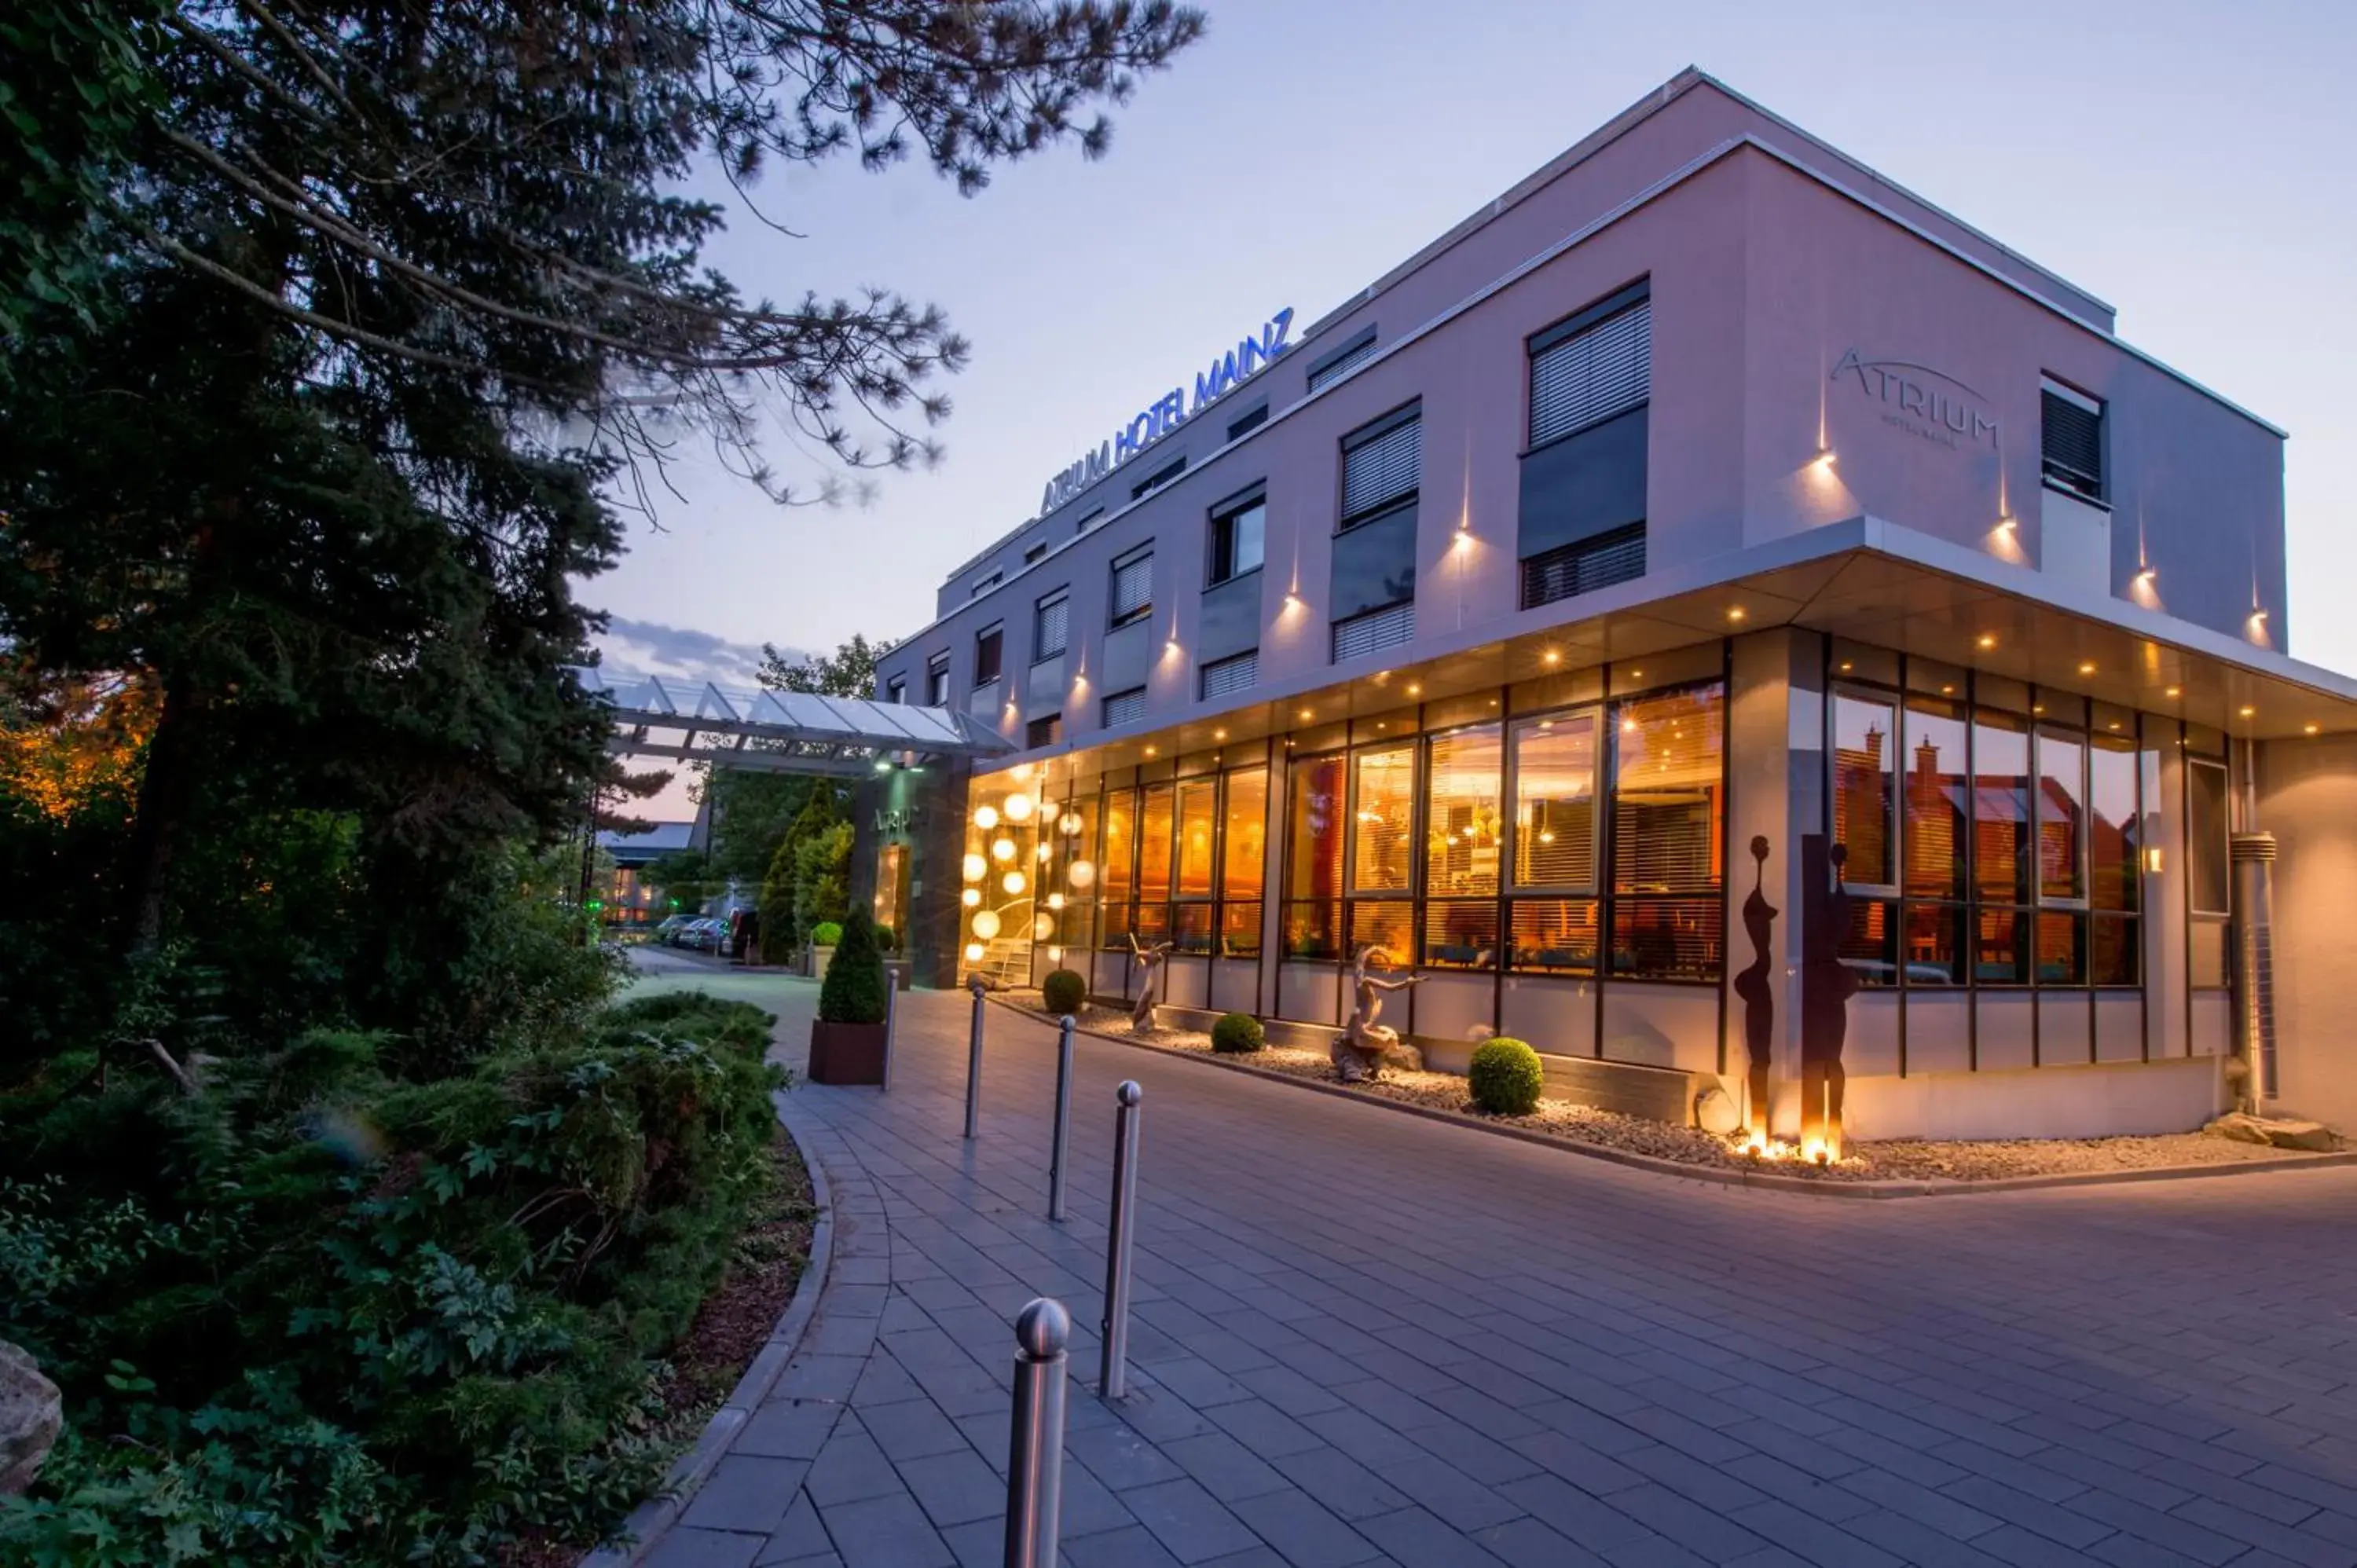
pixel 848 1038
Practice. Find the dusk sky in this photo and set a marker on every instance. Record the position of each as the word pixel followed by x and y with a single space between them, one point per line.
pixel 2190 163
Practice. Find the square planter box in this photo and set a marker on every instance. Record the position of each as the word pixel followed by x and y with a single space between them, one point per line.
pixel 846 1053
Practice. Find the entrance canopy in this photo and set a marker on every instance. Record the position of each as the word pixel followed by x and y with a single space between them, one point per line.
pixel 780 732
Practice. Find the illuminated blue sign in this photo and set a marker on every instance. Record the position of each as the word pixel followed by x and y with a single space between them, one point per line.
pixel 1171 410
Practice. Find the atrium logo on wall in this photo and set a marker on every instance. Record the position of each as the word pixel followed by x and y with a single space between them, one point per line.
pixel 1929 404
pixel 1168 413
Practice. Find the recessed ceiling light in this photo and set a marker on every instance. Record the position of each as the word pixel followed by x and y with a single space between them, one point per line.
pixel 1413 690
pixel 2174 691
pixel 2247 712
pixel 1305 712
pixel 2087 667
pixel 1986 639
pixel 2313 729
pixel 1149 751
pixel 1218 734
pixel 1846 666
pixel 1550 657
pixel 1735 613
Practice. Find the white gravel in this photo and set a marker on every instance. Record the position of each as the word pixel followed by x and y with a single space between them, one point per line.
pixel 1902 1159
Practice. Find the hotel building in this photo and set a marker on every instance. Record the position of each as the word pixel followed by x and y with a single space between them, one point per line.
pixel 1546 612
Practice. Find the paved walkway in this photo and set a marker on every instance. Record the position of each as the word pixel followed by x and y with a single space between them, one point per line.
pixel 1365 1338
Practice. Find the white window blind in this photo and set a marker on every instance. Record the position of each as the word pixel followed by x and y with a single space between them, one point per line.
pixel 1385 628
pixel 1593 374
pixel 1383 469
pixel 1052 628
pixel 1233 674
pixel 1342 365
pixel 1125 707
pixel 1133 586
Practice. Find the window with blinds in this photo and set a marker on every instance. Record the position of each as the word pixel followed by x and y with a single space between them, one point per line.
pixel 987 648
pixel 898 691
pixel 1342 361
pixel 2070 430
pixel 1155 480
pixel 937 680
pixel 1233 674
pixel 1385 628
pixel 1046 730
pixel 1133 586
pixel 1618 556
pixel 1051 626
pixel 1381 465
pixel 1586 372
pixel 1125 707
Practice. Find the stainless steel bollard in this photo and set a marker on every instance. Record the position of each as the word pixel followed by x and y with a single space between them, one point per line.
pixel 1113 1372
pixel 891 1023
pixel 1057 1156
pixel 1035 1456
pixel 974 1060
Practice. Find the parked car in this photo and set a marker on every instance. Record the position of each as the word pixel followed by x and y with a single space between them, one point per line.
pixel 706 935
pixel 667 932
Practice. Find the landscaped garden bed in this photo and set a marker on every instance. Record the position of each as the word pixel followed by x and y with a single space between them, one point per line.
pixel 1909 1160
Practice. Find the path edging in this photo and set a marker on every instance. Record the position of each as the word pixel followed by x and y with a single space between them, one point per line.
pixel 1765 1181
pixel 651 1520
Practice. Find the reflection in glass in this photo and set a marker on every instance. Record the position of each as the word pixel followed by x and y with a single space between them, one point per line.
pixel 1866 795
pixel 2113 954
pixel 1382 807
pixel 1117 867
pixel 1462 933
pixel 2001 808
pixel 2207 886
pixel 1555 803
pixel 1314 830
pixel 1198 803
pixel 1665 793
pixel 1240 930
pixel 2113 824
pixel 1383 923
pixel 1869 948
pixel 1554 935
pixel 1462 821
pixel 1937 796
pixel 1244 847
pixel 2062 815
pixel 2061 948
pixel 1668 938
pixel 1192 927
pixel 2000 947
pixel 1155 813
pixel 1936 944
pixel 1313 929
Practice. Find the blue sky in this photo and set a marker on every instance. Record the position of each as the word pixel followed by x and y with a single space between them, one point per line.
pixel 2190 163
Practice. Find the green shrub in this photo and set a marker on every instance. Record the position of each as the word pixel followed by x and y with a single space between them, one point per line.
pixel 827 934
pixel 1505 1077
pixel 325 1315
pixel 886 939
pixel 1238 1034
pixel 1064 993
pixel 853 992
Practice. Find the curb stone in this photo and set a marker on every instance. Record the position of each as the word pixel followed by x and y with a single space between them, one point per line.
pixel 1764 1181
pixel 651 1520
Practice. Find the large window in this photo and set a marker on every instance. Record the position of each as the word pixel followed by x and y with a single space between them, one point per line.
pixel 2071 440
pixel 1133 586
pixel 937 680
pixel 1244 849
pixel 1866 824
pixel 1381 466
pixel 1938 794
pixel 1582 512
pixel 1314 840
pixel 989 645
pixel 2209 886
pixel 1199 827
pixel 1237 539
pixel 1553 915
pixel 1383 851
pixel 1052 625
pixel 1118 868
pixel 1668 795
pixel 1464 839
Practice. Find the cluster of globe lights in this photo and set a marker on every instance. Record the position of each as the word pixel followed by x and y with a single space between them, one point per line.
pixel 999 860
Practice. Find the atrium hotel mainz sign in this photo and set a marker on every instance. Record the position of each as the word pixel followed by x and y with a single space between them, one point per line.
pixel 1919 401
pixel 1168 413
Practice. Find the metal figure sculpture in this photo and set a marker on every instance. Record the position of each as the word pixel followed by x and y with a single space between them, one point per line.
pixel 1141 1012
pixel 1757 991
pixel 1826 986
pixel 1365 1046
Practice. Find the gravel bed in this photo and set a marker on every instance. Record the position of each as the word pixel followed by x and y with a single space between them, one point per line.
pixel 1897 1159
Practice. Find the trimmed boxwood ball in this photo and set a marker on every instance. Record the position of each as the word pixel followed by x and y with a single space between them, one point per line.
pixel 1237 1034
pixel 1505 1077
pixel 1063 991
pixel 827 934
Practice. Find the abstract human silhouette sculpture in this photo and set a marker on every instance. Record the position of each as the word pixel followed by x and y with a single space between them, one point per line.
pixel 1826 986
pixel 1757 991
pixel 1141 1012
pixel 1364 1046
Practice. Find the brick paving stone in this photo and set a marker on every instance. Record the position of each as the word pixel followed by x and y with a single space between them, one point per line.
pixel 1674 1374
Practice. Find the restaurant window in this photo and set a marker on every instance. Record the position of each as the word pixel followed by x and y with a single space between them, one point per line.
pixel 1383 852
pixel 1052 625
pixel 1668 794
pixel 1196 854
pixel 1314 840
pixel 1071 901
pixel 1133 586
pixel 988 645
pixel 2115 860
pixel 1866 786
pixel 1935 838
pixel 1117 869
pixel 1237 539
pixel 1243 845
pixel 2002 787
pixel 1464 836
pixel 1553 915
